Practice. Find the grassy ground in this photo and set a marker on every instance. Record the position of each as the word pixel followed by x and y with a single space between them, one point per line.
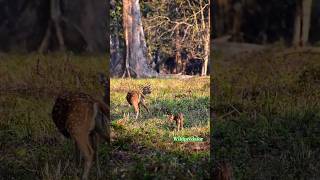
pixel 268 114
pixel 144 148
pixel 32 148
pixel 30 145
pixel 267 107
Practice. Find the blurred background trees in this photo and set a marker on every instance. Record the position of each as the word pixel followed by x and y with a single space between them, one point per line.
pixel 78 25
pixel 135 41
pixel 176 34
pixel 294 22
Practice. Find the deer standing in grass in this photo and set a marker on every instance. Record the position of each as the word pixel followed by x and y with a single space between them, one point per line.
pixel 178 119
pixel 137 98
pixel 85 120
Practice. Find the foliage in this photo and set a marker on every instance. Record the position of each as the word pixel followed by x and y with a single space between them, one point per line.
pixel 160 21
pixel 115 15
pixel 263 21
pixel 267 120
pixel 32 148
pixel 164 21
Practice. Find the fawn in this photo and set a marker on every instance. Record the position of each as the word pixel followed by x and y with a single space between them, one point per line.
pixel 137 98
pixel 178 120
pixel 85 120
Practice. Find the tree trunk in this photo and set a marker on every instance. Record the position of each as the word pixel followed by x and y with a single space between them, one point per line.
pixel 302 23
pixel 306 11
pixel 237 22
pixel 54 21
pixel 206 40
pixel 178 60
pixel 136 49
pixel 206 59
pixel 297 24
pixel 116 57
pixel 116 60
pixel 222 16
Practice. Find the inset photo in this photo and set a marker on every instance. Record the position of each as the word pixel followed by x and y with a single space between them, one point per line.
pixel 160 89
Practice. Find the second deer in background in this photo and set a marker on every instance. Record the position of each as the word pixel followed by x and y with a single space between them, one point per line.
pixel 137 98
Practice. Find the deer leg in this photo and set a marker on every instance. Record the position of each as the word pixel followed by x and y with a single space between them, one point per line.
pixel 97 161
pixel 137 114
pixel 85 148
pixel 77 154
pixel 144 105
pixel 136 109
pixel 94 140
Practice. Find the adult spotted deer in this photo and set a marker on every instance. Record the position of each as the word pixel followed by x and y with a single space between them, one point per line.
pixel 137 98
pixel 84 119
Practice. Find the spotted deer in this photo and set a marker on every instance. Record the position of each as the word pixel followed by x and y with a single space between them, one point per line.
pixel 178 120
pixel 137 98
pixel 85 120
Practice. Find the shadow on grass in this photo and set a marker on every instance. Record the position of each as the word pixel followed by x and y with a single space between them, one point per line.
pixel 134 158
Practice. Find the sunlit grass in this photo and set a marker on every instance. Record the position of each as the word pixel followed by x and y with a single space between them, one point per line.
pixel 152 131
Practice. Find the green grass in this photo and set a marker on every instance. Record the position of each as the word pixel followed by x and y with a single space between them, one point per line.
pixel 146 145
pixel 268 115
pixel 267 106
pixel 32 148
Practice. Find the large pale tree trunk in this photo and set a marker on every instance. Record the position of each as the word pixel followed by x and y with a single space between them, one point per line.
pixel 136 62
pixel 302 22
